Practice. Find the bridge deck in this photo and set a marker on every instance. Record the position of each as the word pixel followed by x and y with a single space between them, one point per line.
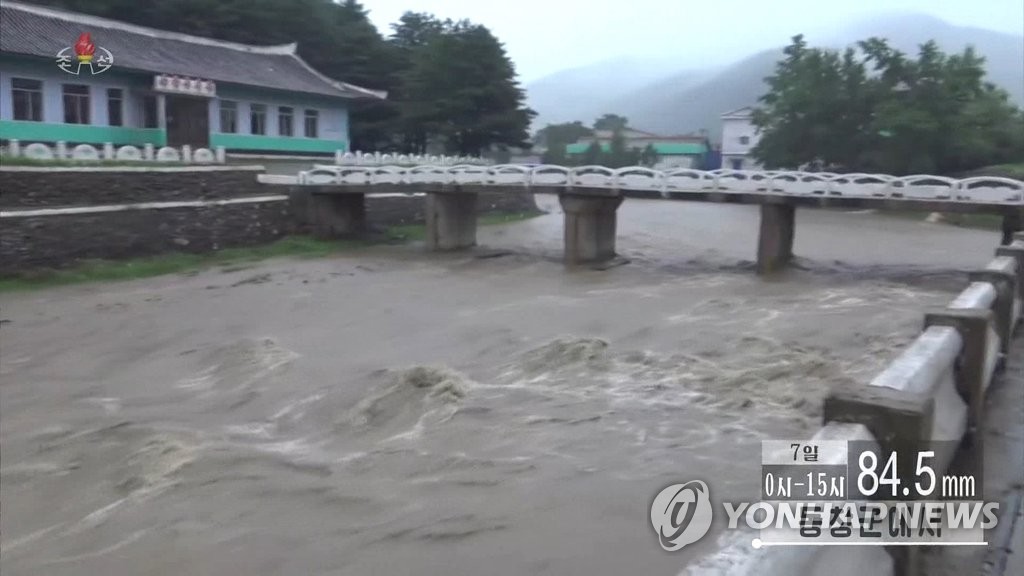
pixel 801 201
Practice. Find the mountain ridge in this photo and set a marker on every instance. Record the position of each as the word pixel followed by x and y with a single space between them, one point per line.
pixel 679 101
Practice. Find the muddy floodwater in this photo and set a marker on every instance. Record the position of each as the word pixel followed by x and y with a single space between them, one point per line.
pixel 393 412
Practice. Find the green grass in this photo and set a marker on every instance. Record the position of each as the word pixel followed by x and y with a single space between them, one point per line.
pixel 22 161
pixel 230 259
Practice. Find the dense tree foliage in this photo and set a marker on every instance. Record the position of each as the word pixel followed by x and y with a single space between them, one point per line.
pixel 615 155
pixel 555 137
pixel 873 109
pixel 449 83
pixel 611 122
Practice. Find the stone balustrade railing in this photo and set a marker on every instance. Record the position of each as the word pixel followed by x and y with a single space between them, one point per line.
pixel 108 152
pixel 377 159
pixel 931 397
pixel 983 189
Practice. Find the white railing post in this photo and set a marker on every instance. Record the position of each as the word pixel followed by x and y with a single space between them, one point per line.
pixel 186 154
pixel 147 152
pixel 108 151
pixel 62 150
pixel 221 155
pixel 13 148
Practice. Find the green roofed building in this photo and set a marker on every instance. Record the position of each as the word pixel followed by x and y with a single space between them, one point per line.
pixel 685 151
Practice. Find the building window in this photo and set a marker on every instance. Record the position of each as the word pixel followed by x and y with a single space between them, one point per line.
pixel 150 112
pixel 737 163
pixel 312 123
pixel 27 96
pixel 115 107
pixel 744 139
pixel 228 116
pixel 76 104
pixel 285 115
pixel 257 119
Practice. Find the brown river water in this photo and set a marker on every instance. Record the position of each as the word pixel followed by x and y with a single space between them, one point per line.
pixel 390 411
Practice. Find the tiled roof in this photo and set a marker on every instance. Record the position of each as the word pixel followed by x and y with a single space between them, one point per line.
pixel 738 113
pixel 37 31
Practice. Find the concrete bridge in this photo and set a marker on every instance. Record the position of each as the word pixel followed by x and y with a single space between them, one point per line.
pixel 591 195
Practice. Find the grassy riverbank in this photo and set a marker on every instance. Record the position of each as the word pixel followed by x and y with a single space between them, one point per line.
pixel 230 258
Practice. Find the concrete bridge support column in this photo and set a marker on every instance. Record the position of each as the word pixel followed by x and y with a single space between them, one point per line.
pixel 451 220
pixel 1011 224
pixel 337 215
pixel 589 227
pixel 775 243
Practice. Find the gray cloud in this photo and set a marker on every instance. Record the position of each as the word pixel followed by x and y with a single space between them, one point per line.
pixel 544 36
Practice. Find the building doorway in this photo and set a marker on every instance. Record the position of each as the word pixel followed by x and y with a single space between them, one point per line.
pixel 188 121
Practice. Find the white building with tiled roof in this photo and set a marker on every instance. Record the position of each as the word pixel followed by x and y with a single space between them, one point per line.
pixel 71 77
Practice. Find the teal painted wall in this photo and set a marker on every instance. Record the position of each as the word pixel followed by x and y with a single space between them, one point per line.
pixel 276 143
pixel 80 133
pixel 333 131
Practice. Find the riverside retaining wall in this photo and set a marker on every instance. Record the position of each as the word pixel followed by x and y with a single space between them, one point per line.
pixel 55 217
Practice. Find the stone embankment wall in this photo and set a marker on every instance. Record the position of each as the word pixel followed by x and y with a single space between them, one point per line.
pixel 55 217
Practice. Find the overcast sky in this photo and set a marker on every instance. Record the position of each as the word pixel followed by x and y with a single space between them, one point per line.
pixel 544 36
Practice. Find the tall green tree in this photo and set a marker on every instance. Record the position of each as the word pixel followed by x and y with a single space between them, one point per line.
pixel 555 137
pixel 648 156
pixel 611 122
pixel 565 133
pixel 874 109
pixel 592 155
pixel 619 155
pixel 459 87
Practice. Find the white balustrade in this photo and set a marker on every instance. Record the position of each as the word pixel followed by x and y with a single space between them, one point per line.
pixel 639 178
pixel 688 179
pixel 926 187
pixel 549 175
pixel 505 174
pixel 468 174
pixel 592 177
pixel 862 185
pixel 107 151
pixel 168 154
pixel 85 153
pixel 128 154
pixel 991 189
pixel 37 151
pixel 387 175
pixel 203 156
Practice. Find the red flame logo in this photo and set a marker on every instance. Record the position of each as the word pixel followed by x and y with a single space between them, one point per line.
pixel 84 46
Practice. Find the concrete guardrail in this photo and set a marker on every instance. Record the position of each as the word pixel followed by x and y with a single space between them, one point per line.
pixel 934 391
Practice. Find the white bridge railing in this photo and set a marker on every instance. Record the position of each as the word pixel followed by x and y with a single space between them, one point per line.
pixel 377 159
pixel 109 152
pixel 983 189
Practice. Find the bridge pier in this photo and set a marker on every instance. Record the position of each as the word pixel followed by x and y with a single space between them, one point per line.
pixel 451 220
pixel 337 215
pixel 775 242
pixel 1011 224
pixel 589 227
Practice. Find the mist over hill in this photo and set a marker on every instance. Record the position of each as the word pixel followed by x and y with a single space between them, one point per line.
pixel 657 97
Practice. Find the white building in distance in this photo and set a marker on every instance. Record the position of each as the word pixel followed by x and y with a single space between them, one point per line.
pixel 739 136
